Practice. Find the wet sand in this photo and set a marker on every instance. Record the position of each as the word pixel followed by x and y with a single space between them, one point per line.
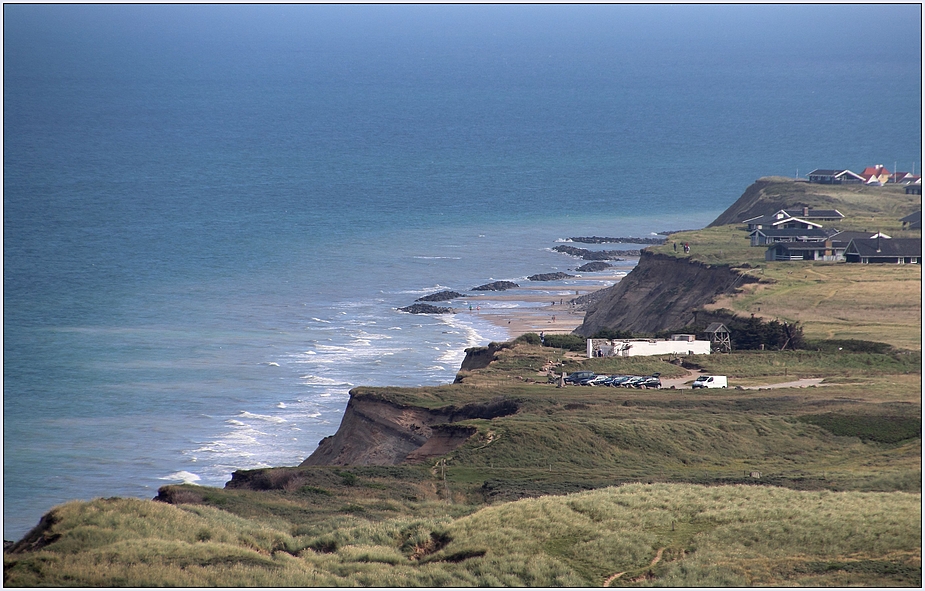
pixel 543 308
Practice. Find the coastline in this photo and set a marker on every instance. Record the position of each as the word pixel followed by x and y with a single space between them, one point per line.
pixel 544 308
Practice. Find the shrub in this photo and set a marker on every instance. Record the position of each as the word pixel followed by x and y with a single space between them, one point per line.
pixel 850 345
pixel 570 342
pixel 612 334
pixel 348 478
pixel 530 338
pixel 882 429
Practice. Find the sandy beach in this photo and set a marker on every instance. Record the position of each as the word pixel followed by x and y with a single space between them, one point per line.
pixel 537 307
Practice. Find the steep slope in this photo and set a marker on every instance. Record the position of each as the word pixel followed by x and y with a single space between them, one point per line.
pixel 661 293
pixel 378 432
pixel 770 194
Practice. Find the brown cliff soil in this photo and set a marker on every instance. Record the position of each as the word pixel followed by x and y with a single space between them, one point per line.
pixel 379 432
pixel 661 293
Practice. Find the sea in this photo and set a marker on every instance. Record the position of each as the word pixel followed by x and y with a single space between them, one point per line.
pixel 212 213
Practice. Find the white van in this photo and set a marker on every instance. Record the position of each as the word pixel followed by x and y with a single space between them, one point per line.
pixel 709 382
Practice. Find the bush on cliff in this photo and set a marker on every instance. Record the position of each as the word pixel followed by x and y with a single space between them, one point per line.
pixel 612 334
pixel 750 333
pixel 570 342
pixel 530 338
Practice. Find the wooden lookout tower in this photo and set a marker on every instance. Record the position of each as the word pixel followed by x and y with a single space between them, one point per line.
pixel 719 337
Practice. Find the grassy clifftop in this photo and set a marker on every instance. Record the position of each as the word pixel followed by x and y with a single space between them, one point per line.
pixel 829 300
pixel 865 207
pixel 813 486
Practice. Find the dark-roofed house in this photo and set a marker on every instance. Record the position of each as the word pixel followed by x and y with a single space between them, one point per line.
pixel 816 215
pixel 781 219
pixel 913 221
pixel 818 250
pixel 765 236
pixel 829 249
pixel 830 176
pixel 843 238
pixel 885 250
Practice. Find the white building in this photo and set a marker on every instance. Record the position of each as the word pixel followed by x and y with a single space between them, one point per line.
pixel 678 344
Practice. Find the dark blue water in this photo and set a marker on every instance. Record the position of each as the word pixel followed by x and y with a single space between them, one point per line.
pixel 212 212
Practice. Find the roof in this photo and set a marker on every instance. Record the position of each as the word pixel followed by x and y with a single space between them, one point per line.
pixel 874 171
pixel 848 236
pixel 912 217
pixel 783 216
pixel 848 172
pixel 824 172
pixel 716 327
pixel 816 213
pixel 884 247
pixel 820 233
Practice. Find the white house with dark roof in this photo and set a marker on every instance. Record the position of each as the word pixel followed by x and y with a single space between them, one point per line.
pixel 830 249
pixel 782 219
pixel 830 176
pixel 763 236
pixel 819 250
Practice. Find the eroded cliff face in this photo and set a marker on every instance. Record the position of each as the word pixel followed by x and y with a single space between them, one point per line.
pixel 376 432
pixel 661 293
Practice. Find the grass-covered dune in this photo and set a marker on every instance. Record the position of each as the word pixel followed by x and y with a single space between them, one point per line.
pixel 638 535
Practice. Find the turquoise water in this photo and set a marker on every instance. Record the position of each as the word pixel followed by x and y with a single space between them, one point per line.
pixel 211 213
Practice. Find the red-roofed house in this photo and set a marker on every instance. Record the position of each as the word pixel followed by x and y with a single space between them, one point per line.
pixel 876 175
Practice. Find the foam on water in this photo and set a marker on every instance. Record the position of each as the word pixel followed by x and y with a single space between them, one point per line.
pixel 182 476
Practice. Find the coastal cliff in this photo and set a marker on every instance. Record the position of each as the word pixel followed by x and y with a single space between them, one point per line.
pixel 378 432
pixel 772 193
pixel 661 293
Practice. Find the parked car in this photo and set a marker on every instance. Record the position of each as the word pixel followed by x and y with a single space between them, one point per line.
pixel 632 382
pixel 600 380
pixel 617 381
pixel 577 376
pixel 652 381
pixel 710 382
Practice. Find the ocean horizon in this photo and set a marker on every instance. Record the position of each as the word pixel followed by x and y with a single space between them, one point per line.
pixel 212 213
